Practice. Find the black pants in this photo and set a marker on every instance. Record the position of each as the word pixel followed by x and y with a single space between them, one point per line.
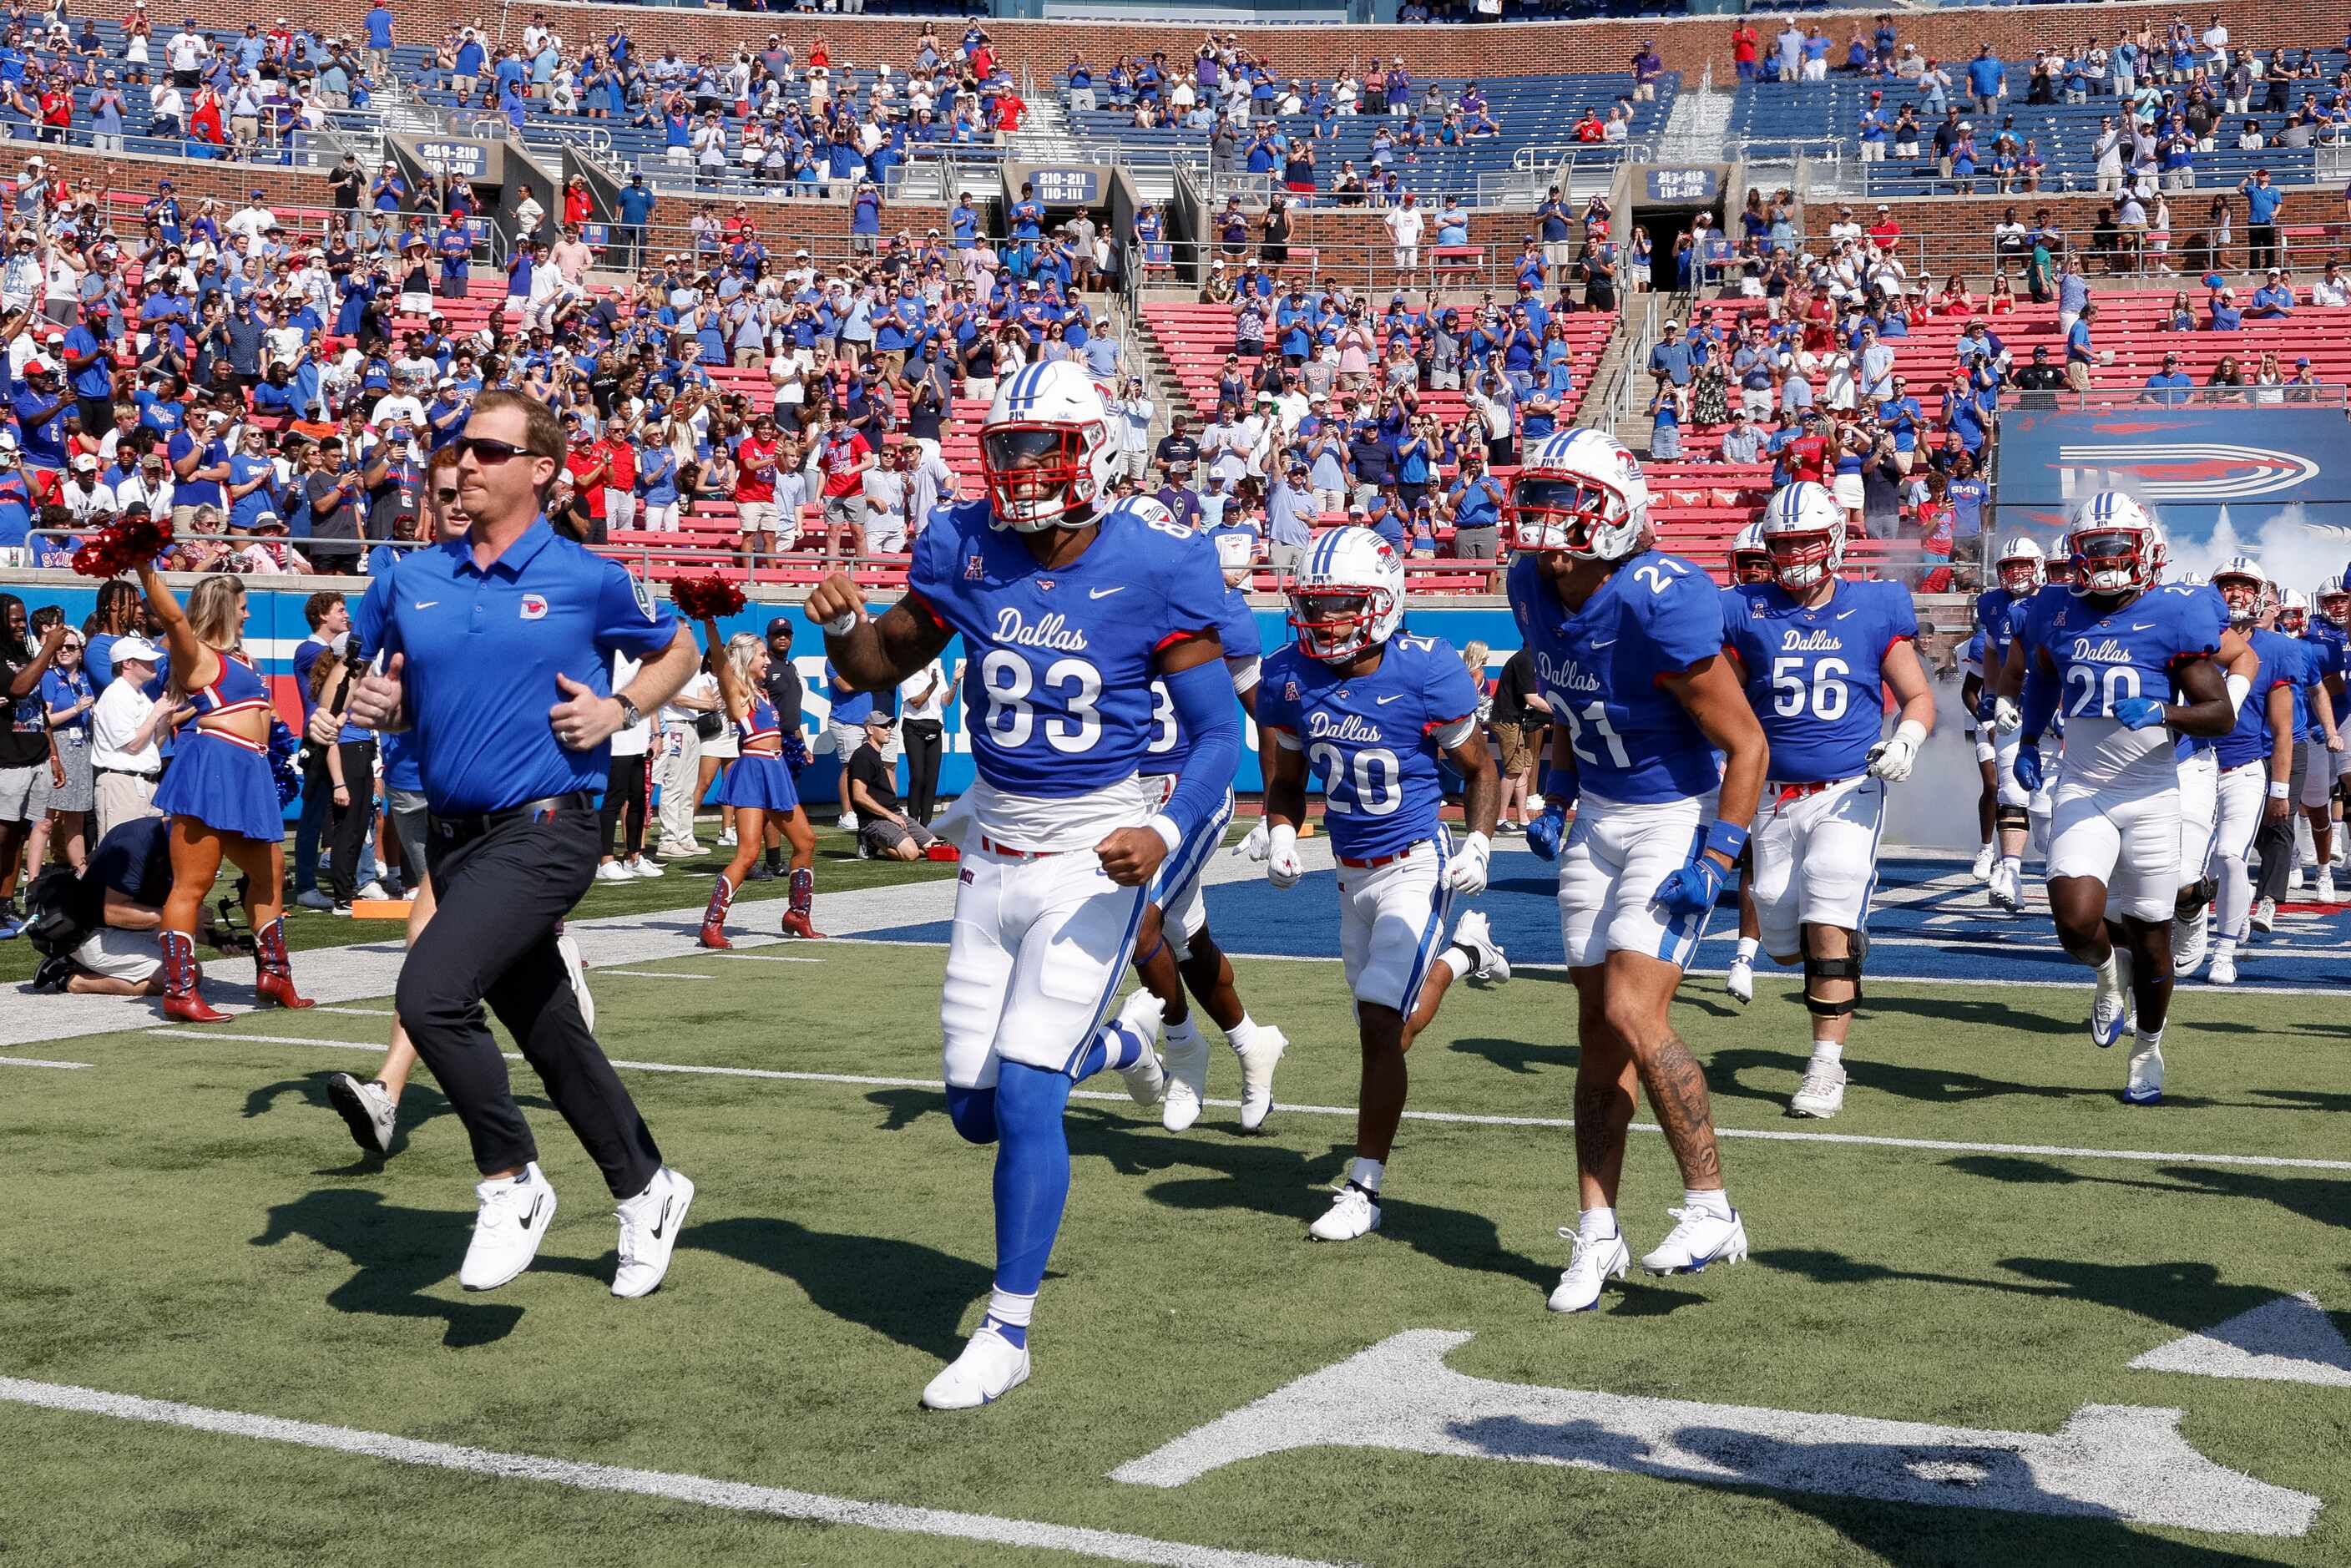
pixel 2261 247
pixel 493 938
pixel 348 835
pixel 624 795
pixel 923 737
pixel 2275 844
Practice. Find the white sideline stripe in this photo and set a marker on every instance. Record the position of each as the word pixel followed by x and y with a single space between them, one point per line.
pixel 739 1496
pixel 364 1013
pixel 36 1062
pixel 657 974
pixel 767 958
pixel 1458 1118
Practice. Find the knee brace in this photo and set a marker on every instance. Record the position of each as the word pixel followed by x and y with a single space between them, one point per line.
pixel 2014 819
pixel 1845 968
pixel 2190 905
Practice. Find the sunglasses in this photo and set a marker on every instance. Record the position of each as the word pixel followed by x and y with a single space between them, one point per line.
pixel 482 449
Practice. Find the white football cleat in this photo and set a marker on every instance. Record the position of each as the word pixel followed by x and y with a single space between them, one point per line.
pixel 1474 934
pixel 1822 1094
pixel 2326 893
pixel 1986 858
pixel 367 1108
pixel 577 972
pixel 1353 1213
pixel 649 1225
pixel 1188 1080
pixel 1698 1241
pixel 2189 938
pixel 1258 1062
pixel 2264 916
pixel 1741 981
pixel 2110 1010
pixel 2144 1086
pixel 2004 892
pixel 1145 1080
pixel 1589 1269
pixel 508 1228
pixel 2223 971
pixel 990 1367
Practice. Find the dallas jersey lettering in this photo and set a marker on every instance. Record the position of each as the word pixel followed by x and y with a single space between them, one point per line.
pixel 1169 745
pixel 1601 670
pixel 1813 674
pixel 2248 740
pixel 1372 739
pixel 2103 657
pixel 1058 681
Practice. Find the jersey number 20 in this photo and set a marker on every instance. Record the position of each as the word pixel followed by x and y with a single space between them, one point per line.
pixel 1376 782
pixel 2091 690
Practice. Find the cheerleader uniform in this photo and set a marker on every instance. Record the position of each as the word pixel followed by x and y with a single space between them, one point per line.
pixel 758 779
pixel 221 779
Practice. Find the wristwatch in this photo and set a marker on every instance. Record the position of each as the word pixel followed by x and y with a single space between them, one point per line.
pixel 630 716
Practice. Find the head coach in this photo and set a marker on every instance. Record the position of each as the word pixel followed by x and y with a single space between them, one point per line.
pixel 496 651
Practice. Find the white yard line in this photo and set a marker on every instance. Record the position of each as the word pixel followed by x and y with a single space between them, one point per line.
pixel 36 1062
pixel 738 1496
pixel 768 957
pixel 1460 1118
pixel 657 974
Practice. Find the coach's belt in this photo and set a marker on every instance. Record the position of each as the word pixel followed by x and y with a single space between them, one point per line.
pixel 992 847
pixel 466 828
pixel 1786 792
pixel 1405 853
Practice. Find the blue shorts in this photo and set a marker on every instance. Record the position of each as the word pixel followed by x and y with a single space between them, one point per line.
pixel 224 784
pixel 763 783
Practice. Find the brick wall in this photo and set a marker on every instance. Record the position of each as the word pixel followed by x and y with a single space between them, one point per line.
pixel 1688 45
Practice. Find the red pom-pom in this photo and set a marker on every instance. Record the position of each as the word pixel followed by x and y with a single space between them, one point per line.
pixel 705 598
pixel 123 546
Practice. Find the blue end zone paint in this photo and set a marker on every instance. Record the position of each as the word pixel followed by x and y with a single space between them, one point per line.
pixel 1930 922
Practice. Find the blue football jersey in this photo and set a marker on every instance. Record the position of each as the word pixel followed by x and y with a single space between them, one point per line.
pixel 1057 681
pixel 2248 740
pixel 1814 675
pixel 1169 745
pixel 2103 657
pixel 2325 650
pixel 1372 739
pixel 1601 669
pixel 1993 623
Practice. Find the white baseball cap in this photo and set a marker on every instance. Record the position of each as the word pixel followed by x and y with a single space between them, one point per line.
pixel 133 649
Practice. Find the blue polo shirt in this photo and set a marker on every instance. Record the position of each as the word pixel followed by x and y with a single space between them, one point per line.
pixel 484 647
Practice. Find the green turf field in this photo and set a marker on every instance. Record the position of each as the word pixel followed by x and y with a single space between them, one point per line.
pixel 188 1221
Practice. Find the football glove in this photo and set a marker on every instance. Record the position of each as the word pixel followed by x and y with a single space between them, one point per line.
pixel 2005 715
pixel 1693 889
pixel 1467 873
pixel 1259 842
pixel 1543 832
pixel 1282 866
pixel 2138 712
pixel 2027 767
pixel 1893 757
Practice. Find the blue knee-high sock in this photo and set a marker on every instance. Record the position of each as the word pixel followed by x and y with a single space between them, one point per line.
pixel 973 1112
pixel 1032 1174
pixel 1113 1046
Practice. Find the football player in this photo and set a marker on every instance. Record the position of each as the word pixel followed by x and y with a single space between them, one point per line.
pixel 2255 760
pixel 1817 654
pixel 2324 647
pixel 1174 949
pixel 1370 712
pixel 2021 569
pixel 1750 564
pixel 1066 623
pixel 1627 642
pixel 2110 658
pixel 2330 623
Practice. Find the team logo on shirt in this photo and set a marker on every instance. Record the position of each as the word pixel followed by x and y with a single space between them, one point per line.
pixel 534 605
pixel 974 569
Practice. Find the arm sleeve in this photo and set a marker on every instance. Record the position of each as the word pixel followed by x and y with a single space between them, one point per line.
pixel 2040 698
pixel 1203 699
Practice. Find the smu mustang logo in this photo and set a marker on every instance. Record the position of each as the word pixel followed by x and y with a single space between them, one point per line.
pixel 2209 472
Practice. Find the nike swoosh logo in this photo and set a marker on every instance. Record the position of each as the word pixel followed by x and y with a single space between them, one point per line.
pixel 1385 701
pixel 2149 626
pixel 532 1217
pixel 1603 642
pixel 1104 592
pixel 659 1224
pixel 1841 615
pixel 427 603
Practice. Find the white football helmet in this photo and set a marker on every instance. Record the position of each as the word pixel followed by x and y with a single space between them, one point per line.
pixel 2334 602
pixel 1803 527
pixel 2117 545
pixel 2293 613
pixel 1347 595
pixel 1046 450
pixel 1579 492
pixel 1750 562
pixel 2059 569
pixel 2021 567
pixel 2241 583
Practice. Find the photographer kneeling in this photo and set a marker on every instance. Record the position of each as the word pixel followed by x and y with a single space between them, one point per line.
pixel 100 932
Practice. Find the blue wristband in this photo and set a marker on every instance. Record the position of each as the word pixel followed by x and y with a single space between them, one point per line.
pixel 1725 839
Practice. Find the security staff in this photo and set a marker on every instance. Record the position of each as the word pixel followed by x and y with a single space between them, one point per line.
pixel 478 635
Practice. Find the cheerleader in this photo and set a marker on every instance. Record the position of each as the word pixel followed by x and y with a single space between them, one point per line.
pixel 759 787
pixel 218 792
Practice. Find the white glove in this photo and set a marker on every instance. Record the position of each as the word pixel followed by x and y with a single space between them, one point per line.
pixel 1282 866
pixel 2006 715
pixel 1467 875
pixel 1891 757
pixel 1259 842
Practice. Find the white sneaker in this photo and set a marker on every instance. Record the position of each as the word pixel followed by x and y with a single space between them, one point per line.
pixel 1188 1080
pixel 846 822
pixel 643 866
pixel 569 951
pixel 1822 1094
pixel 613 871
pixel 1589 1269
pixel 2223 971
pixel 1353 1213
pixel 366 1108
pixel 990 1367
pixel 315 898
pixel 2004 893
pixel 649 1225
pixel 727 841
pixel 2326 893
pixel 2145 1084
pixel 1698 1241
pixel 2264 916
pixel 2189 938
pixel 1146 1080
pixel 1741 981
pixel 2299 881
pixel 1986 858
pixel 508 1228
pixel 373 891
pixel 1257 1075
pixel 1473 933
